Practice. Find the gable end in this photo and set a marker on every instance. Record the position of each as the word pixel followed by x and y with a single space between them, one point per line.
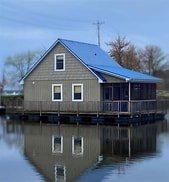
pixel 49 51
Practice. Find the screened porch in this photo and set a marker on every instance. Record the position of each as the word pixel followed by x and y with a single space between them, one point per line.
pixel 129 97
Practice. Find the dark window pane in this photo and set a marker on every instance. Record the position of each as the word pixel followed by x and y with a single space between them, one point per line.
pixel 77 145
pixel 78 141
pixel 60 171
pixel 57 144
pixel 57 96
pixel 77 96
pixel 59 64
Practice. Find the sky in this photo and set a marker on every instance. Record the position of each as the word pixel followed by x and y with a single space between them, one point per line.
pixel 36 24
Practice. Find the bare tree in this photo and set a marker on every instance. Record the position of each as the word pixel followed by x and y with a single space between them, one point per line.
pixel 2 86
pixel 19 64
pixel 118 48
pixel 124 53
pixel 152 59
pixel 131 58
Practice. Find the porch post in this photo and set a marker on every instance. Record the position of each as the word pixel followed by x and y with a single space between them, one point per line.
pixel 129 97
pixel 129 142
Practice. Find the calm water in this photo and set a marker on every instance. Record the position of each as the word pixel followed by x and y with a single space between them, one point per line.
pixel 32 152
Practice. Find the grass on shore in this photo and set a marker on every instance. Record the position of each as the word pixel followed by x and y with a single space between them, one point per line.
pixel 163 94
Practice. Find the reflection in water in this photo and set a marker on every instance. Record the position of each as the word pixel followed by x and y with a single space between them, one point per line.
pixel 66 152
pixel 81 147
pixel 57 144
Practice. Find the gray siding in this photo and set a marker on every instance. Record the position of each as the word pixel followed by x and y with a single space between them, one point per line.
pixel 44 76
pixel 42 90
pixel 73 68
pixel 111 79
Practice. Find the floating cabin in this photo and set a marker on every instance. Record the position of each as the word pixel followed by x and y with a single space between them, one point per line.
pixel 80 79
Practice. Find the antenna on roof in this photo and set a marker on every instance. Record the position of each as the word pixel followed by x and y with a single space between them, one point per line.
pixel 98 24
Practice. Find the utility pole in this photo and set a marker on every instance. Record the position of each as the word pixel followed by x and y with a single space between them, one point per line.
pixel 2 85
pixel 98 24
pixel 1 90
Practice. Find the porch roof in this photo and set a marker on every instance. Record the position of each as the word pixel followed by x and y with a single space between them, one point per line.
pixel 126 74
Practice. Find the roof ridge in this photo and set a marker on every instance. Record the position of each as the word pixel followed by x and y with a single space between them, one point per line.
pixel 77 41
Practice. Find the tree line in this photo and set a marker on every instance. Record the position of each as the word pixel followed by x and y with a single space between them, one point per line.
pixel 151 60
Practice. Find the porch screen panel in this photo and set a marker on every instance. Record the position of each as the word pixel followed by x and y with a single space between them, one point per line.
pixel 120 91
pixel 152 91
pixel 116 91
pixel 124 91
pixel 135 91
pixel 108 93
pixel 143 91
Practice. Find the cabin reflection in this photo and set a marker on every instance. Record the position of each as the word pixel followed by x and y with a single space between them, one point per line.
pixel 127 142
pixel 65 152
pixel 80 149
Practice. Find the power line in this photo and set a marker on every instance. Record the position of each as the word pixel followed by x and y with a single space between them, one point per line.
pixel 35 24
pixel 98 25
pixel 26 11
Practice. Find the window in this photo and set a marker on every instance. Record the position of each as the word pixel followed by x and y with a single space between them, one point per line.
pixel 77 145
pixel 57 144
pixel 57 92
pixel 59 62
pixel 60 173
pixel 77 92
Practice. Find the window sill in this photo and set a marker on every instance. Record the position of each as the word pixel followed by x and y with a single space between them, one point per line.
pixel 59 70
pixel 77 100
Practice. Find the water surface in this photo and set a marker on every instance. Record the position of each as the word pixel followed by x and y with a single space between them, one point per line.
pixel 33 152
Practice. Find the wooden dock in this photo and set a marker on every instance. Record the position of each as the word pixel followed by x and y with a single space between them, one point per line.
pixel 114 113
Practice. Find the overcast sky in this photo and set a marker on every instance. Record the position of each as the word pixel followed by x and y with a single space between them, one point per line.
pixel 34 24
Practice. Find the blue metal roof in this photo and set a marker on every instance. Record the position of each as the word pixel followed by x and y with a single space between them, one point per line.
pixel 128 75
pixel 97 60
pixel 90 54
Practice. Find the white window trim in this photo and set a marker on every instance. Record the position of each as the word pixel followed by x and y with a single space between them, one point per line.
pixel 55 55
pixel 73 147
pixel 75 100
pixel 53 149
pixel 56 172
pixel 61 99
